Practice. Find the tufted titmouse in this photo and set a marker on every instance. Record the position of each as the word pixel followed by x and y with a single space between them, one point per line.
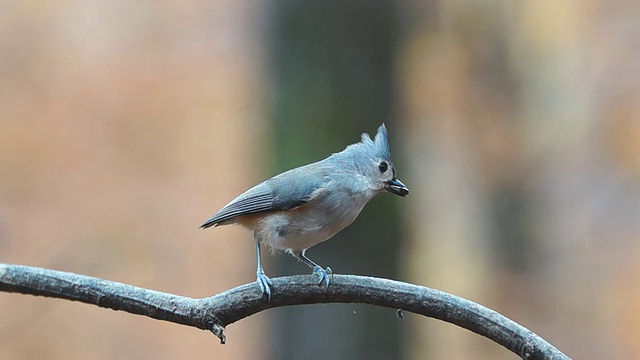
pixel 302 207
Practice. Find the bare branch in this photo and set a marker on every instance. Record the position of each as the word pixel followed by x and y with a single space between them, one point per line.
pixel 216 312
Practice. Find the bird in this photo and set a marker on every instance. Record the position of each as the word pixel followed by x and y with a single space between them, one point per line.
pixel 307 205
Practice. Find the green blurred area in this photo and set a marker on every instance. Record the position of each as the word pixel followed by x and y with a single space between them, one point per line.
pixel 332 79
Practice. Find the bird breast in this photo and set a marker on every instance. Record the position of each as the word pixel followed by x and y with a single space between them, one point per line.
pixel 309 224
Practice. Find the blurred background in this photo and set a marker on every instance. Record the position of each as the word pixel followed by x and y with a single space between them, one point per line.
pixel 516 125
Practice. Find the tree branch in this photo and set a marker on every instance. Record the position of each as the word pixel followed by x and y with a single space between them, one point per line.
pixel 216 312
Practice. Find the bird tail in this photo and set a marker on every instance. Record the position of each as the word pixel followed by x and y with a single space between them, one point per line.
pixel 209 223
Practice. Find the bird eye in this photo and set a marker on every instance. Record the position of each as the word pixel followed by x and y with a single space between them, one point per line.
pixel 383 167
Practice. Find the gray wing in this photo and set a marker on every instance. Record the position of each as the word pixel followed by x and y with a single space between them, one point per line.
pixel 282 192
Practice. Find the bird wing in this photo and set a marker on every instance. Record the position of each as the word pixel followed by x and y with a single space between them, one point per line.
pixel 281 192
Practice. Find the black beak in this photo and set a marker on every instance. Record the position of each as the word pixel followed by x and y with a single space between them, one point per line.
pixel 396 187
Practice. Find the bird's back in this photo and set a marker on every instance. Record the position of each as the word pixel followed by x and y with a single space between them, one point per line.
pixel 282 192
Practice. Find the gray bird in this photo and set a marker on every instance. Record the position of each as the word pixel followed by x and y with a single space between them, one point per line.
pixel 305 206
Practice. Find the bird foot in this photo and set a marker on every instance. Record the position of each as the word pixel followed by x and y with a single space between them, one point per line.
pixel 323 274
pixel 265 284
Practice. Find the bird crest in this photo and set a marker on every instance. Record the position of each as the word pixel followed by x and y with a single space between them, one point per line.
pixel 378 147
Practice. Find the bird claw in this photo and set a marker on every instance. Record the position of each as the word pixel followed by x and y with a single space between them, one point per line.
pixel 265 284
pixel 323 274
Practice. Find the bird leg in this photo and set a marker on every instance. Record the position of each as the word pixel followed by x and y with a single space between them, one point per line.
pixel 263 281
pixel 321 273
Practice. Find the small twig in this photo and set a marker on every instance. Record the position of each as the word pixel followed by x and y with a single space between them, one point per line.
pixel 216 312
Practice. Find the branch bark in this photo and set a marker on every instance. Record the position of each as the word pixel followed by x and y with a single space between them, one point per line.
pixel 216 312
